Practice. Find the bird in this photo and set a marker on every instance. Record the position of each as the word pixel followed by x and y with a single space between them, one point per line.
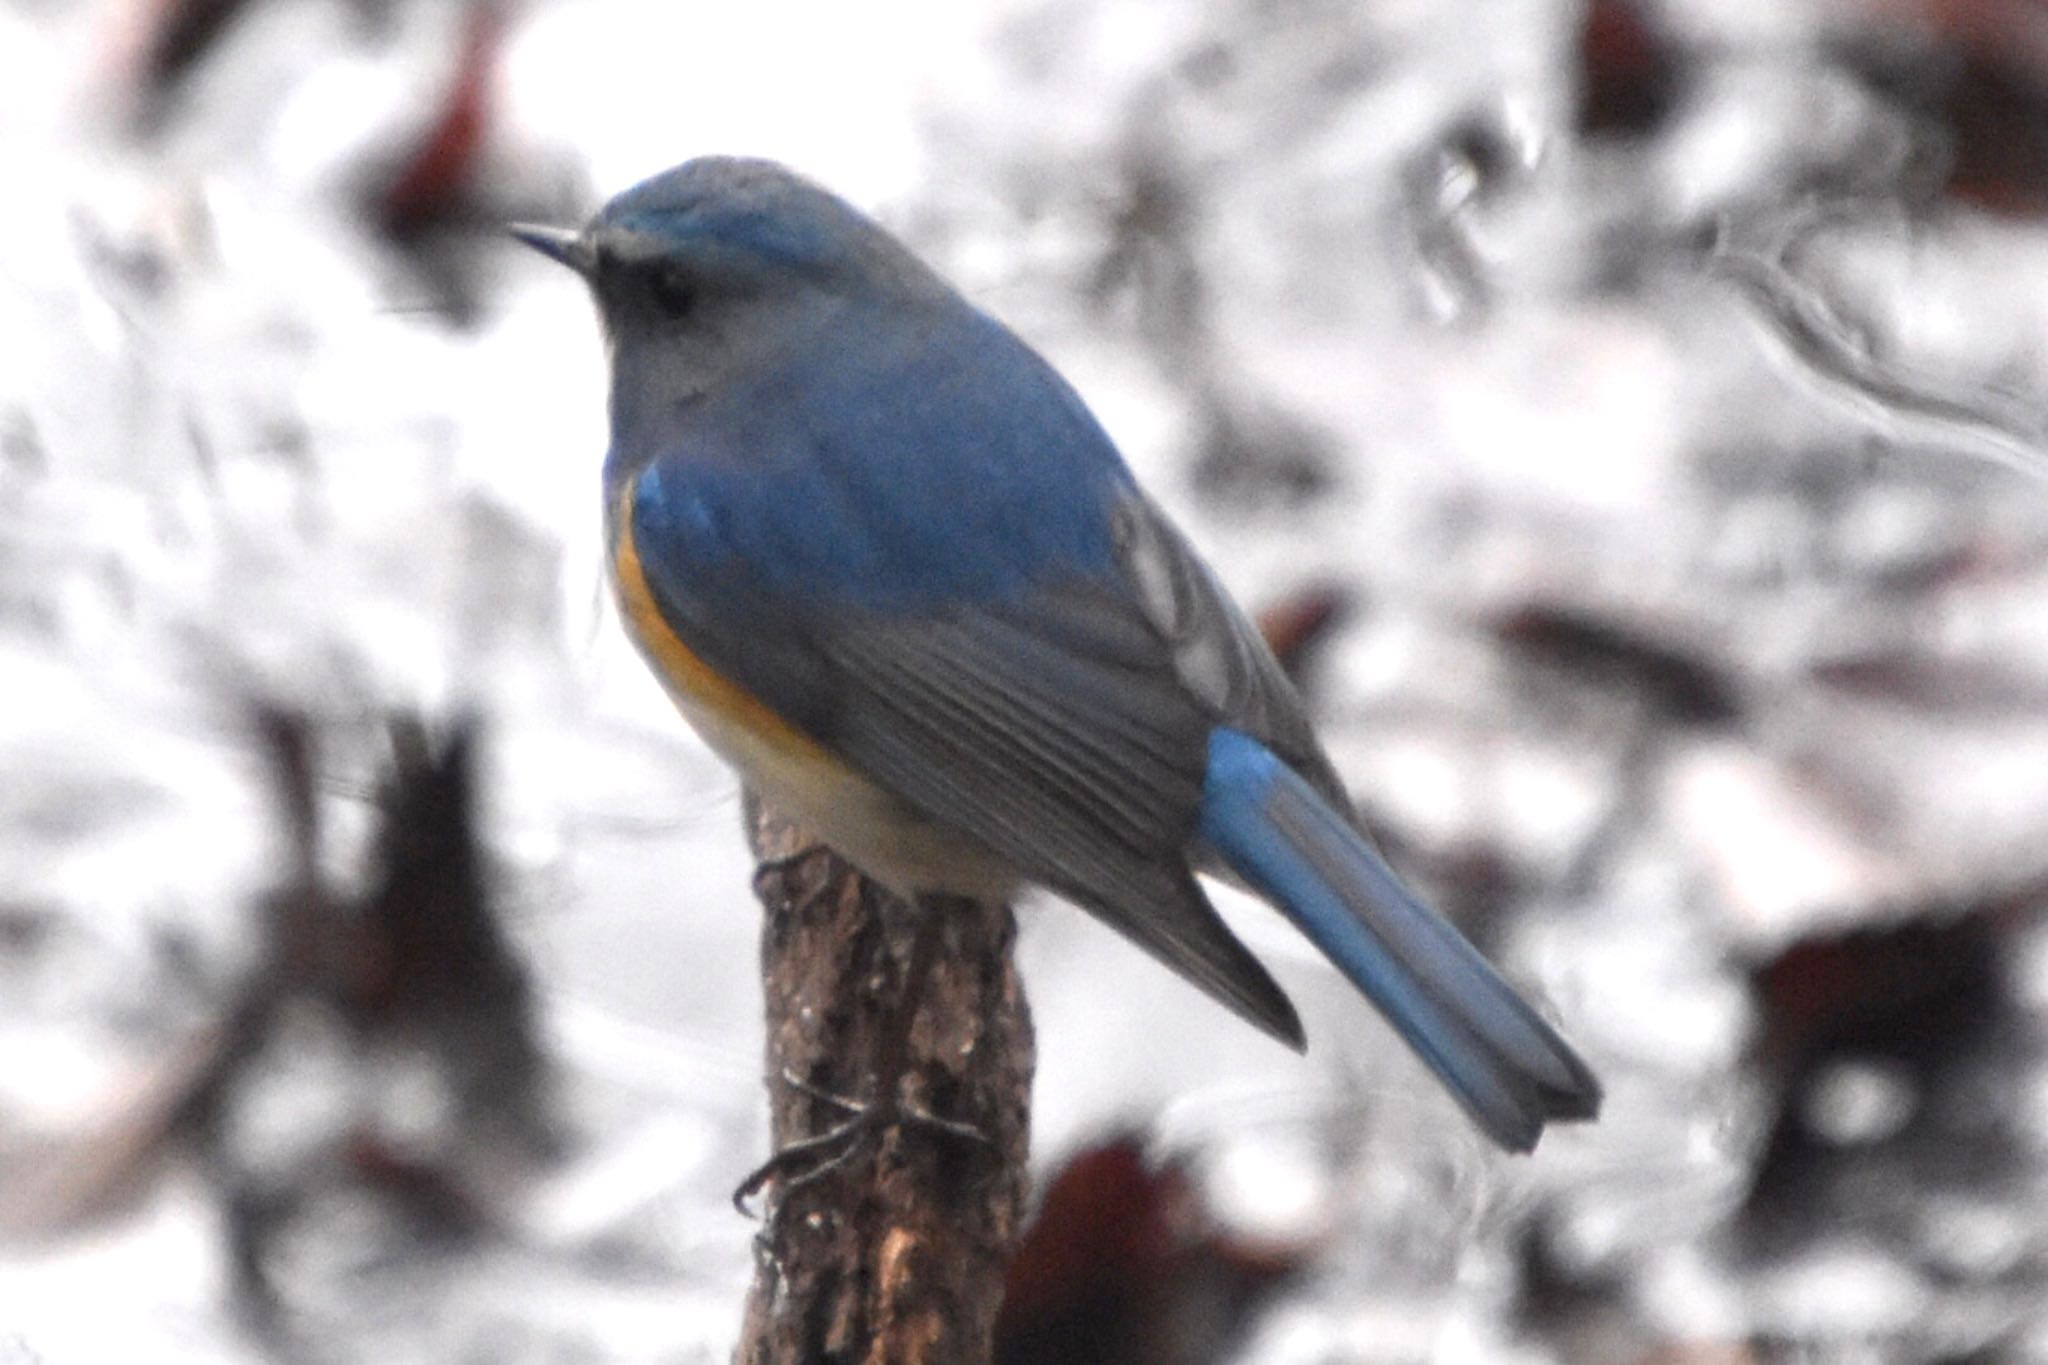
pixel 885 560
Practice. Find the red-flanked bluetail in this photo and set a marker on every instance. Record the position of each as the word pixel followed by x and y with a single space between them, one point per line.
pixel 886 561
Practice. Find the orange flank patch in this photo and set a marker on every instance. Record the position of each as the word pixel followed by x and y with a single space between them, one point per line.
pixel 703 691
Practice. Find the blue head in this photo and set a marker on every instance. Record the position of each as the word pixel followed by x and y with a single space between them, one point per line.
pixel 715 270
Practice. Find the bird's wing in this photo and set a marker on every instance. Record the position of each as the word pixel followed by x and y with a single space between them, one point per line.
pixel 1052 731
pixel 1218 653
pixel 1055 722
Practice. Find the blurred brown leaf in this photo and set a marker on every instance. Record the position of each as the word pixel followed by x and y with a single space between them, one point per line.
pixel 1124 1266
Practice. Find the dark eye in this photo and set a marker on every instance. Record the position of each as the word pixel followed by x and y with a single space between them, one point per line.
pixel 671 290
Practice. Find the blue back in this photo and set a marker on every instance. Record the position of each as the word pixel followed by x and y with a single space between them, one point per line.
pixel 886 462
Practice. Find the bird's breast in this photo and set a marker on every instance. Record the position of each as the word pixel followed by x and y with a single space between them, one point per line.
pixel 712 701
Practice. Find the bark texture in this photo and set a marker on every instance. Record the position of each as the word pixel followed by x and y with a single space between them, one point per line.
pixel 896 1253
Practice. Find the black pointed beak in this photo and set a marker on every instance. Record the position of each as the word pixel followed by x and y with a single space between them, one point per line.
pixel 572 249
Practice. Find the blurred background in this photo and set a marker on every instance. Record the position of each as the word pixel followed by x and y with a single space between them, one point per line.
pixel 1626 416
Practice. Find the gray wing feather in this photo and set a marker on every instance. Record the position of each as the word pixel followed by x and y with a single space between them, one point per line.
pixel 1069 731
pixel 1218 653
pixel 1061 738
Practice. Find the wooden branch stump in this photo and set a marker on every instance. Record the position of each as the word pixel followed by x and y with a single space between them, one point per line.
pixel 896 1255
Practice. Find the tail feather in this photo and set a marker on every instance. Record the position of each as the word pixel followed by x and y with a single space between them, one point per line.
pixel 1506 1066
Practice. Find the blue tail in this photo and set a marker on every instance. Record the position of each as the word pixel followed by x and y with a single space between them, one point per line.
pixel 1507 1067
